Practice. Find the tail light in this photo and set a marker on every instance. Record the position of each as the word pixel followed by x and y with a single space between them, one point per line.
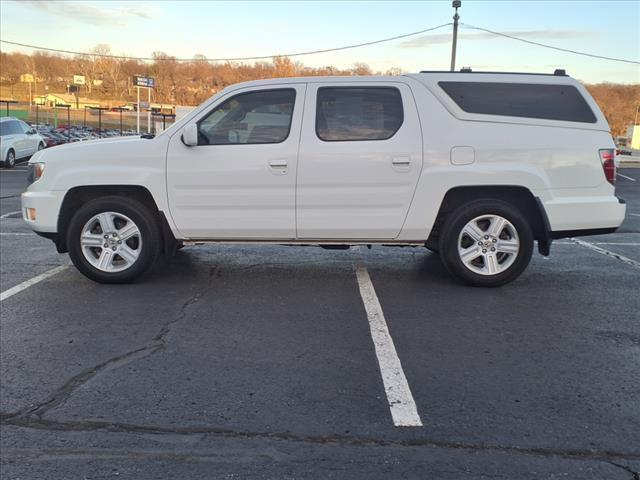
pixel 607 157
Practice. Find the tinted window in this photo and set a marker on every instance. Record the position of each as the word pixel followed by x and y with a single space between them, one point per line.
pixel 255 117
pixel 348 113
pixel 550 102
pixel 9 128
pixel 23 127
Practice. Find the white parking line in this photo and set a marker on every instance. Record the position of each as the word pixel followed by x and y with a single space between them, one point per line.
pixel 628 178
pixel 32 281
pixel 626 244
pixel 401 403
pixel 635 214
pixel 6 215
pixel 15 233
pixel 608 253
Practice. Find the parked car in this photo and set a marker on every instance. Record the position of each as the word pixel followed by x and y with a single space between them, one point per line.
pixel 17 140
pixel 475 166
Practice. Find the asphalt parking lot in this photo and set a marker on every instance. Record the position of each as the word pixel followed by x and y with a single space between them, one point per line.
pixel 267 362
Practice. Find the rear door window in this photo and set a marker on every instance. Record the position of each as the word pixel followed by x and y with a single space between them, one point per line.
pixel 355 113
pixel 9 128
pixel 549 102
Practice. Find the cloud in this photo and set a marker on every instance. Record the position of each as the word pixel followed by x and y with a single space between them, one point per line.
pixel 549 33
pixel 92 14
pixel 139 12
pixel 426 40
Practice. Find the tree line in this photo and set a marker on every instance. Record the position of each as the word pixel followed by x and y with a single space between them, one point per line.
pixel 190 83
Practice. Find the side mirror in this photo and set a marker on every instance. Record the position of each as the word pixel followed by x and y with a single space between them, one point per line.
pixel 190 135
pixel 31 132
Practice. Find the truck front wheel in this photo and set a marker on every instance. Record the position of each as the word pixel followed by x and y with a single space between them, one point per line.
pixel 113 239
pixel 486 243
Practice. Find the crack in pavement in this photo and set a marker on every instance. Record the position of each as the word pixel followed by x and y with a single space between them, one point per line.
pixel 32 422
pixel 634 475
pixel 130 454
pixel 62 394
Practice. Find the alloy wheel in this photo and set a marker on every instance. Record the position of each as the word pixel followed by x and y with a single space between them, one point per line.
pixel 111 242
pixel 488 244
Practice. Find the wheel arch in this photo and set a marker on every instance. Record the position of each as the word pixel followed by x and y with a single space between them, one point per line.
pixel 77 196
pixel 519 196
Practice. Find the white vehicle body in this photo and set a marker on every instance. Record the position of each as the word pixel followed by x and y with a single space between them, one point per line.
pixel 19 138
pixel 310 191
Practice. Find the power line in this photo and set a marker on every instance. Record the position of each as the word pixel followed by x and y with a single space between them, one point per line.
pixel 236 59
pixel 327 50
pixel 553 47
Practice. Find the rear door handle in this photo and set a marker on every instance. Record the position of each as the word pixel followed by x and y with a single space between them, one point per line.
pixel 401 161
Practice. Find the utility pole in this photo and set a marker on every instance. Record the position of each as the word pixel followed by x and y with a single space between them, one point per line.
pixel 455 4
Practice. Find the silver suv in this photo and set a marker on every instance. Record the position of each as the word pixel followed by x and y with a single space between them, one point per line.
pixel 17 140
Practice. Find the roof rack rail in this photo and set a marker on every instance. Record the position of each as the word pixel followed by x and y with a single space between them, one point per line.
pixel 559 72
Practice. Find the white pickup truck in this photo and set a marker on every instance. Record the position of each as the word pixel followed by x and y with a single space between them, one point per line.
pixel 475 166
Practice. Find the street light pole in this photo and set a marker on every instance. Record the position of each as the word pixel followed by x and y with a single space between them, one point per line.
pixel 455 4
pixel 138 111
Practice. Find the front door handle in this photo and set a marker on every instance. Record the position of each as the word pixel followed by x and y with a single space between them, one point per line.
pixel 278 163
pixel 278 166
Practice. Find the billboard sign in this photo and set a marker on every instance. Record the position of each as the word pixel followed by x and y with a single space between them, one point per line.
pixel 140 81
pixel 78 80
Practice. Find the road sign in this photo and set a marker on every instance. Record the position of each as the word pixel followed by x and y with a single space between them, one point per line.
pixel 78 79
pixel 144 104
pixel 140 81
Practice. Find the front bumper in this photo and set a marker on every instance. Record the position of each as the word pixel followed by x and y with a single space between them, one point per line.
pixel 47 206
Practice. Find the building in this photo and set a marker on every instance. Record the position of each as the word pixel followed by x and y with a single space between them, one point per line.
pixel 635 137
pixel 53 99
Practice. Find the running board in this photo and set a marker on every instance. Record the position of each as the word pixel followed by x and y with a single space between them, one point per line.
pixel 307 243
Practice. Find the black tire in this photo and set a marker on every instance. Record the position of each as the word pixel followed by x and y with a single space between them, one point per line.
pixel 144 219
pixel 450 237
pixel 10 159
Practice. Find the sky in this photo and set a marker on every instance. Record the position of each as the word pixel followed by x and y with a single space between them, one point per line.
pixel 255 28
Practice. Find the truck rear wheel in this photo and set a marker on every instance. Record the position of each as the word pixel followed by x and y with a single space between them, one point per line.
pixel 486 243
pixel 113 239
